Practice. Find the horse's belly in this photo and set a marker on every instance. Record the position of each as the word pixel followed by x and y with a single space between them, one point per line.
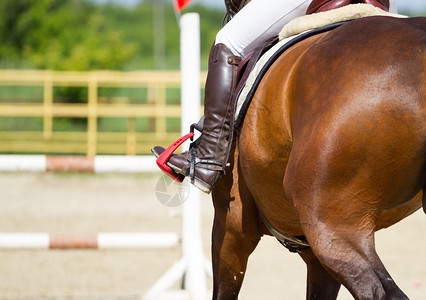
pixel 391 216
pixel 264 178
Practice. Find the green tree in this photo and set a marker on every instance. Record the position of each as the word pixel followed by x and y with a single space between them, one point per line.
pixel 59 34
pixel 82 35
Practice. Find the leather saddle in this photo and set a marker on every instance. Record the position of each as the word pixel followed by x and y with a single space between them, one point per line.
pixel 325 5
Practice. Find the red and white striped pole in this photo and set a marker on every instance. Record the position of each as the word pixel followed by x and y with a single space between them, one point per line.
pixel 97 164
pixel 105 240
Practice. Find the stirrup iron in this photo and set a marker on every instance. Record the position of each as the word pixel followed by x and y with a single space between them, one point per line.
pixel 164 157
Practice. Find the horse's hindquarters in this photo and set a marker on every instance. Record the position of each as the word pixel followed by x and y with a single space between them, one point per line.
pixel 343 122
pixel 358 156
pixel 360 116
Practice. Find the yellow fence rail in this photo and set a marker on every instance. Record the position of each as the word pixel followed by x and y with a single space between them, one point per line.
pixel 91 141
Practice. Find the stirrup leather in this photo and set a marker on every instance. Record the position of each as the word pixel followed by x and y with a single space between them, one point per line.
pixel 199 126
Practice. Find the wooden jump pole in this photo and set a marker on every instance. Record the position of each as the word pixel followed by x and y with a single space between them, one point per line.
pixel 105 240
pixel 96 164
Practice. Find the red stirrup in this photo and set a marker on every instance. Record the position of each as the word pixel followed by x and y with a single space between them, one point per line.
pixel 164 157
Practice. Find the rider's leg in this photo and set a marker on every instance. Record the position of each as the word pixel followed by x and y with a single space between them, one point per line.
pixel 256 23
pixel 207 158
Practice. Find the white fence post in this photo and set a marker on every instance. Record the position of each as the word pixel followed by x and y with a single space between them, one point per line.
pixel 192 265
pixel 191 107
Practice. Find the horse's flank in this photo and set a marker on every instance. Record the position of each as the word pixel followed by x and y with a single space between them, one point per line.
pixel 333 147
pixel 346 93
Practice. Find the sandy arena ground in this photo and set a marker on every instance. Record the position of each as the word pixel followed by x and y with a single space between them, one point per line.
pixel 70 203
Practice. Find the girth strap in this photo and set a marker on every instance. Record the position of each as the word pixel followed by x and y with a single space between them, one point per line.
pixel 292 243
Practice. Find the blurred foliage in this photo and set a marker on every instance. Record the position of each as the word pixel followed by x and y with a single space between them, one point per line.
pixel 82 35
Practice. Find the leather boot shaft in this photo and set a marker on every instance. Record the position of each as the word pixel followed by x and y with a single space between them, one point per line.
pixel 218 110
pixel 205 162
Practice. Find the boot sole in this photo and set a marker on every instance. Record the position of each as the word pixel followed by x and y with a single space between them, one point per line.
pixel 203 186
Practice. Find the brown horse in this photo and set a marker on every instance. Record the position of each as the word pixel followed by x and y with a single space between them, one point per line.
pixel 333 148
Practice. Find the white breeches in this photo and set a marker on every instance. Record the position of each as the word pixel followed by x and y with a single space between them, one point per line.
pixel 261 20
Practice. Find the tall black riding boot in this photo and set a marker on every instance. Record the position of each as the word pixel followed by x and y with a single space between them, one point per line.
pixel 205 163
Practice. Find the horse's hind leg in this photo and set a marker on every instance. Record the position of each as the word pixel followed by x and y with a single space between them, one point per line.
pixel 341 235
pixel 339 219
pixel 347 251
pixel 320 284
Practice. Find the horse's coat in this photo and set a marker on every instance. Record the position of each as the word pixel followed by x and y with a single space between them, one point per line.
pixel 334 148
